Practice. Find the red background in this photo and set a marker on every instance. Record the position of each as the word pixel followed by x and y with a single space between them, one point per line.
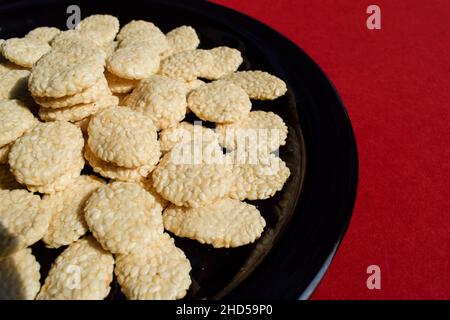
pixel 395 84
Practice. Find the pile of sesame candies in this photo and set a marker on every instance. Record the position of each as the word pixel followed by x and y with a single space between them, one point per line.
pixel 116 139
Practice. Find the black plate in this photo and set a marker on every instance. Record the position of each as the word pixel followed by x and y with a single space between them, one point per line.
pixel 307 220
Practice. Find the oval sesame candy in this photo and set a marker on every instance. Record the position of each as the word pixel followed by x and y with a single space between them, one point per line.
pixel 135 61
pixel 104 26
pixel 124 137
pixel 22 219
pixel 262 129
pixel 219 101
pixel 259 85
pixel 67 71
pixel 225 61
pixel 24 52
pixel 83 271
pixel 257 176
pixel 61 182
pixel 67 222
pixel 225 223
pixel 139 30
pixel 19 276
pixel 46 152
pixel 187 65
pixel 15 119
pixel 43 34
pixel 159 271
pixel 192 174
pixel 161 98
pixel 180 39
pixel 124 217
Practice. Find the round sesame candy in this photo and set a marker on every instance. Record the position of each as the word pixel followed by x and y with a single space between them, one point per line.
pixel 184 132
pixel 124 137
pixel 104 26
pixel 19 276
pixel 46 152
pixel 180 39
pixel 79 111
pixel 67 222
pixel 257 176
pixel 187 65
pixel 7 179
pixel 135 62
pixel 4 152
pixel 43 34
pixel 23 51
pixel 225 61
pixel 111 171
pixel 23 220
pixel 67 71
pixel 158 272
pixel 124 217
pixel 225 223
pixel 161 98
pixel 259 85
pixel 219 101
pixel 15 119
pixel 264 129
pixel 83 271
pixel 143 34
pixel 89 95
pixel 193 174
pixel 139 30
pixel 120 85
pixel 13 84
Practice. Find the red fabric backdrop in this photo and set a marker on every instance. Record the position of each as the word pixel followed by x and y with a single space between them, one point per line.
pixel 395 84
